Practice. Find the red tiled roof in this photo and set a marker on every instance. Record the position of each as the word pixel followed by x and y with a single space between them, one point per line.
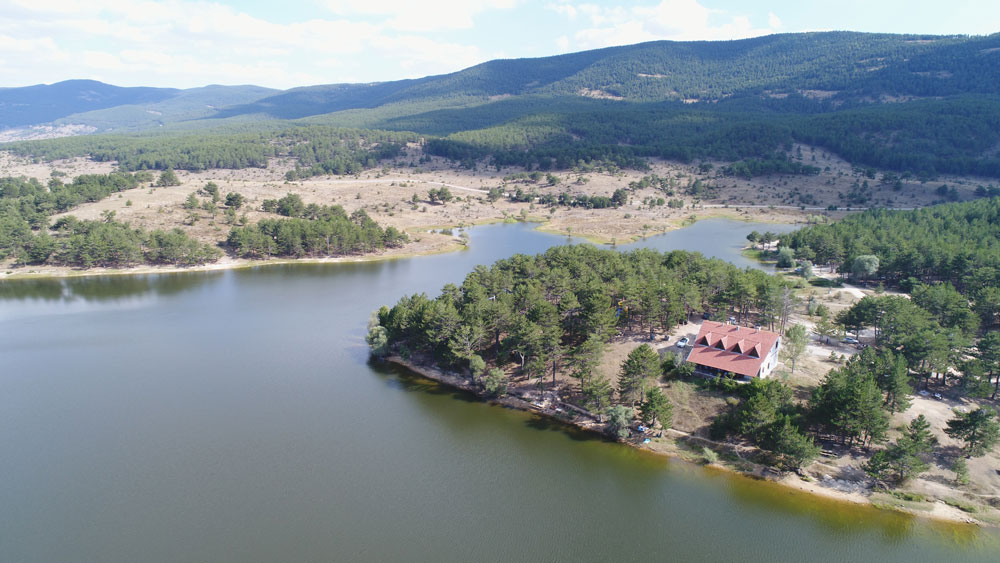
pixel 738 343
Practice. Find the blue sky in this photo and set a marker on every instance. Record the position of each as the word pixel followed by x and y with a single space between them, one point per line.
pixel 186 43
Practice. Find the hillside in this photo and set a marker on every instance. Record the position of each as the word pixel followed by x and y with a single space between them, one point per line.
pixel 184 105
pixel 922 105
pixel 837 67
pixel 42 103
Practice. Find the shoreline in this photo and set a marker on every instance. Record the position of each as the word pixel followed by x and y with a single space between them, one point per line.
pixel 940 512
pixel 225 263
pixel 542 225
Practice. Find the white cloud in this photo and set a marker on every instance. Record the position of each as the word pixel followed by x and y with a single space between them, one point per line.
pixel 564 9
pixel 185 43
pixel 413 15
pixel 679 20
pixel 773 21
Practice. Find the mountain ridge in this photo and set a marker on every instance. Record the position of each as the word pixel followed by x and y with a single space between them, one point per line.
pixel 845 68
pixel 912 103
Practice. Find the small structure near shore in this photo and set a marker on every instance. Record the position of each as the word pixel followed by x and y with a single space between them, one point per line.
pixel 728 350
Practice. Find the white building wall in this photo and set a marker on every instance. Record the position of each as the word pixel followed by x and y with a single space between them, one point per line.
pixel 771 360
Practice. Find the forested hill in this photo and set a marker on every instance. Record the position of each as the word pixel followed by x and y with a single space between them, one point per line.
pixel 42 103
pixel 838 67
pixel 924 105
pixel 107 107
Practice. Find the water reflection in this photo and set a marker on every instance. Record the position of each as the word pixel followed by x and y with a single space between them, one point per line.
pixel 104 288
pixel 644 472
pixel 249 399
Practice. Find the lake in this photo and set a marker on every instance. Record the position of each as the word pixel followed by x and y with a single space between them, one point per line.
pixel 235 416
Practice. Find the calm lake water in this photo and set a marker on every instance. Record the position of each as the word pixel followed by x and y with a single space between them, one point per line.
pixel 235 416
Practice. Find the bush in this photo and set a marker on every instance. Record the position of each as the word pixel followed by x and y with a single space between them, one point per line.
pixel 495 383
pixel 619 418
pixel 786 257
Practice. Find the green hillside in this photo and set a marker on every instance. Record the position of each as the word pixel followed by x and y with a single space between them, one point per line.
pixel 42 103
pixel 918 104
pixel 185 105
pixel 839 67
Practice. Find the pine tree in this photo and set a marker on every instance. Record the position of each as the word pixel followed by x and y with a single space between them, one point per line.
pixel 168 178
pixel 794 448
pixel 656 408
pixel 979 430
pixel 896 384
pixel 796 340
pixel 641 364
pixel 619 419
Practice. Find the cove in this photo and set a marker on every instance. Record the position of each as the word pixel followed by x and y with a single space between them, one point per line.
pixel 235 416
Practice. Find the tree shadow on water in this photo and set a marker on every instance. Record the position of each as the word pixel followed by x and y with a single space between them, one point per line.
pixel 548 424
pixel 399 377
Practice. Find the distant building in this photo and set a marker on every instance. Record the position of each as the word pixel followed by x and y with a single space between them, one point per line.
pixel 734 351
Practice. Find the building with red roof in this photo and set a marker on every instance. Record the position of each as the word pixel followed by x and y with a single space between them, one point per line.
pixel 734 351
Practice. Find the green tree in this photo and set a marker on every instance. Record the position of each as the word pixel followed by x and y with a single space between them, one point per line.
pixel 979 430
pixel 767 238
pixel 988 349
pixel 753 237
pixel 597 394
pixel 641 364
pixel 291 206
pixel 378 337
pixel 825 327
pixel 655 408
pixel 795 342
pixel 961 469
pixel 212 189
pixel 168 178
pixel 619 419
pixel 903 460
pixel 849 403
pixel 766 401
pixel 786 257
pixel 865 266
pixel 794 448
pixel 191 202
pixel 495 382
pixel 895 381
pixel 234 200
pixel 477 366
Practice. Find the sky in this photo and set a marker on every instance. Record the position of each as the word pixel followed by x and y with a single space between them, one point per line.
pixel 282 44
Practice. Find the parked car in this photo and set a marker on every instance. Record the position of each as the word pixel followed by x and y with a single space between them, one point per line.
pixel 850 340
pixel 683 342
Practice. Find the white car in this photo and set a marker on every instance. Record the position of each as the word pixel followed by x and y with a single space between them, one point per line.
pixel 683 342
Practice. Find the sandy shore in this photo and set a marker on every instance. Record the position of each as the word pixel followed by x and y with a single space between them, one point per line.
pixel 670 445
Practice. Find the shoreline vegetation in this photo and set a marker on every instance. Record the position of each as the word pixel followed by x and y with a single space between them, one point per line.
pixel 455 244
pixel 226 263
pixel 554 330
pixel 678 445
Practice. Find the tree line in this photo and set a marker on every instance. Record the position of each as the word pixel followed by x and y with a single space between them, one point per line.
pixel 27 237
pixel 955 243
pixel 318 148
pixel 311 231
pixel 537 316
pixel 533 317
